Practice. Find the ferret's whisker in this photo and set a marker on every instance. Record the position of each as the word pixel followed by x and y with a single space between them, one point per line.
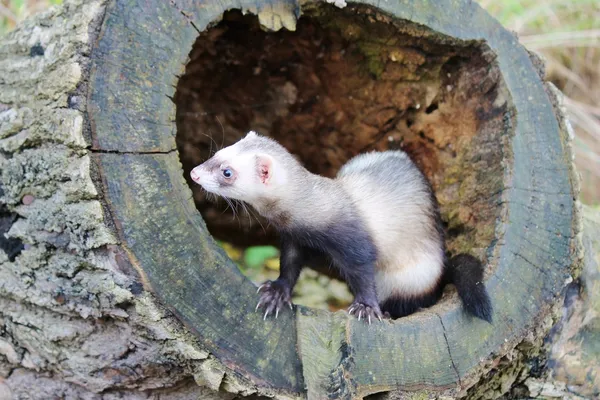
pixel 226 208
pixel 232 203
pixel 247 213
pixel 211 197
pixel 212 141
pixel 237 203
pixel 237 213
pixel 199 115
pixel 222 132
pixel 235 210
pixel 229 205
pixel 184 142
pixel 258 220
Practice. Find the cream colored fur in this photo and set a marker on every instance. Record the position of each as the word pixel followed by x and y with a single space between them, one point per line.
pixel 398 214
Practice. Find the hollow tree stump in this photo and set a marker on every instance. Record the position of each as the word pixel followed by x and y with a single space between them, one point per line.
pixel 111 285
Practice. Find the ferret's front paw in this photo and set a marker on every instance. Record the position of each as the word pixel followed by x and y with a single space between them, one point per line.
pixel 275 295
pixel 366 311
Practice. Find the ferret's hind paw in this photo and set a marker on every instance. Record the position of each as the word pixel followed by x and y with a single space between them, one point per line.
pixel 364 311
pixel 274 297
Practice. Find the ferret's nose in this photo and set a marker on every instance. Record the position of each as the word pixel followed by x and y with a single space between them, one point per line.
pixel 194 175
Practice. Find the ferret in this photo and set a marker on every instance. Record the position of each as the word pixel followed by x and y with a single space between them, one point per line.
pixel 377 222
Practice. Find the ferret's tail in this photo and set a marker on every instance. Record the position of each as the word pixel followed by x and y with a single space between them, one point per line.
pixel 466 273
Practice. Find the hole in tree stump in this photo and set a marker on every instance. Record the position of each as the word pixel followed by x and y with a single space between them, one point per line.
pixel 345 82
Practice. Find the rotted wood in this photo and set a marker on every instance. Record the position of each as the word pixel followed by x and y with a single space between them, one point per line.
pixel 340 85
pixel 142 49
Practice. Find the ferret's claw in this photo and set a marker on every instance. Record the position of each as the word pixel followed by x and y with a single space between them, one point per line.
pixel 262 286
pixel 273 297
pixel 366 310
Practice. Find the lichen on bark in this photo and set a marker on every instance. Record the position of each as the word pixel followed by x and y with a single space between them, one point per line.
pixel 75 321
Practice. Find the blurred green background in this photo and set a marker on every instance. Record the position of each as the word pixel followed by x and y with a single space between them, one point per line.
pixel 566 33
pixel 13 11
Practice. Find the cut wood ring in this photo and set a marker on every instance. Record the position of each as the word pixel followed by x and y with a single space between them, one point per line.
pixel 142 49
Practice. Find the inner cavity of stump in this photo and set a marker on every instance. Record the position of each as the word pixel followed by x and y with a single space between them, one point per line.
pixel 346 82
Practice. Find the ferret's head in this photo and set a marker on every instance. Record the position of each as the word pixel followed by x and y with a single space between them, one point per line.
pixel 252 170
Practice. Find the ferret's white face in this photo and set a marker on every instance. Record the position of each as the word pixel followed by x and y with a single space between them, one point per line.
pixel 238 173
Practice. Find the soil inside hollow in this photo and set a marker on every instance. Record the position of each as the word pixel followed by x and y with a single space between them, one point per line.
pixel 345 82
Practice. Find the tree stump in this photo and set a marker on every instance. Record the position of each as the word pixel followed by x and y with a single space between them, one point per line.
pixel 111 283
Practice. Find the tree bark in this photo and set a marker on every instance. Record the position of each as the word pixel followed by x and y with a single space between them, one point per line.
pixel 112 287
pixel 75 322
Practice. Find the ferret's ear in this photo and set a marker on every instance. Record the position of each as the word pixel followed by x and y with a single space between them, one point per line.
pixel 250 135
pixel 264 167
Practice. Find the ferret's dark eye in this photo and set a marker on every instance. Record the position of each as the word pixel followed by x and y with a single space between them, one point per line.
pixel 227 173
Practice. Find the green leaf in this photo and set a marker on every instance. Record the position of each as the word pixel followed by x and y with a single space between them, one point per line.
pixel 255 257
